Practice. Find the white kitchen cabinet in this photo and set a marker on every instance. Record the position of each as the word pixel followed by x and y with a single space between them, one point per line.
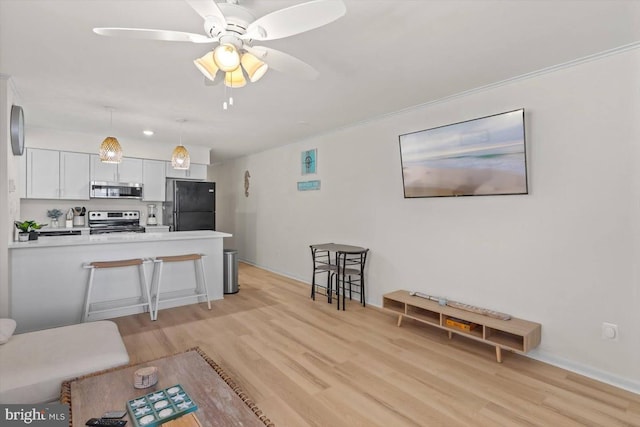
pixel 57 175
pixel 43 174
pixel 74 176
pixel 106 172
pixel 196 172
pixel 153 180
pixel 128 170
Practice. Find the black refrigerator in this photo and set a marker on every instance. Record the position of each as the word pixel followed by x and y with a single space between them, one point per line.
pixel 190 205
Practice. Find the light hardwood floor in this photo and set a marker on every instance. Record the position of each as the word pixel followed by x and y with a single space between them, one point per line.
pixel 306 364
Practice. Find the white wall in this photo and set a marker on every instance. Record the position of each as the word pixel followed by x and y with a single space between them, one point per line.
pixel 566 255
pixel 10 206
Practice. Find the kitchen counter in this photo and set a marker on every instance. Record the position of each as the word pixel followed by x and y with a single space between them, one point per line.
pixel 115 238
pixel 48 281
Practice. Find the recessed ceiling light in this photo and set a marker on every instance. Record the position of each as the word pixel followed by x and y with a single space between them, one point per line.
pixel 148 132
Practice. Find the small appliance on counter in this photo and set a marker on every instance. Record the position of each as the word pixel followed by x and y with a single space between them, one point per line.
pixel 79 216
pixel 68 223
pixel 102 222
pixel 152 212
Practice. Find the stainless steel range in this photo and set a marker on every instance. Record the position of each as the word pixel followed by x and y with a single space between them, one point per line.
pixel 101 222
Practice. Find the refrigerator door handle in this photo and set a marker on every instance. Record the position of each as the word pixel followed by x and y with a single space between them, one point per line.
pixel 175 221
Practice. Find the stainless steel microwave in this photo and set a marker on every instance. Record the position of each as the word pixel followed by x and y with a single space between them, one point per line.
pixel 115 190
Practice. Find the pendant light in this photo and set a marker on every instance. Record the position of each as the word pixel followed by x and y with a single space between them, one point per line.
pixel 180 157
pixel 110 149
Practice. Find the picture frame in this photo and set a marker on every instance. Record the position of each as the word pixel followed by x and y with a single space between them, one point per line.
pixel 309 161
pixel 478 157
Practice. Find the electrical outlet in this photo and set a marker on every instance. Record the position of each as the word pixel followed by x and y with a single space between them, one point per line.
pixel 609 331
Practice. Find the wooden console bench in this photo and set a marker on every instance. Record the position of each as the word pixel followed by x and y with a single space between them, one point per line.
pixel 514 334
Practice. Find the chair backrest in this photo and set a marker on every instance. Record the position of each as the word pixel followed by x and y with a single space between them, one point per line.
pixel 320 257
pixel 349 260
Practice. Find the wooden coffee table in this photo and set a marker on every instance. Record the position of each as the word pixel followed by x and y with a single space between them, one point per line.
pixel 220 400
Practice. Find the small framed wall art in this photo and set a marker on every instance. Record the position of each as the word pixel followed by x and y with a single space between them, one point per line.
pixel 309 161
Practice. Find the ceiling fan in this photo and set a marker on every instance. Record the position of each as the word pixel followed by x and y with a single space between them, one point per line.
pixel 234 28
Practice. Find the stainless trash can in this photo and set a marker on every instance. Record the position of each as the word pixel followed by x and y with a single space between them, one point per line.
pixel 230 271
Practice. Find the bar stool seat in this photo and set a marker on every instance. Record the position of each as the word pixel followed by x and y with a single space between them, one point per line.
pixel 144 300
pixel 200 290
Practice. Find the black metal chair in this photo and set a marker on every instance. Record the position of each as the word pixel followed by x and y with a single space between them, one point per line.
pixel 321 265
pixel 350 270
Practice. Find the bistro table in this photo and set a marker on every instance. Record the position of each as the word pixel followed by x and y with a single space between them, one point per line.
pixel 345 255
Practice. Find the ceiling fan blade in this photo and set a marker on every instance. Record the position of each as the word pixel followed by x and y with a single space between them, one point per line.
pixel 147 34
pixel 284 62
pixel 206 8
pixel 296 19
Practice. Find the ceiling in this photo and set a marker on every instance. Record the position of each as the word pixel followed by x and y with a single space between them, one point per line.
pixel 381 57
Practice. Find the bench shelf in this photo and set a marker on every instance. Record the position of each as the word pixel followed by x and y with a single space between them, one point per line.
pixel 514 334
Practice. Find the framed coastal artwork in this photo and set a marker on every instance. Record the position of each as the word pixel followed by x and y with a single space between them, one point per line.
pixel 309 161
pixel 479 157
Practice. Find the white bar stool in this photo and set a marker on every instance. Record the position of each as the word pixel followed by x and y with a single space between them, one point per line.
pixel 201 283
pixel 145 295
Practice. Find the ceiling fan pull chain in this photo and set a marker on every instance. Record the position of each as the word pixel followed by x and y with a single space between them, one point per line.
pixel 231 89
pixel 225 106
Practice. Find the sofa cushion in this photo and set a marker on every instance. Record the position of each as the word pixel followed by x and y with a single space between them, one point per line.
pixel 7 326
pixel 34 365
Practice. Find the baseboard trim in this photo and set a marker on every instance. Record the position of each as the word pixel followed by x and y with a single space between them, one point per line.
pixel 281 273
pixel 587 371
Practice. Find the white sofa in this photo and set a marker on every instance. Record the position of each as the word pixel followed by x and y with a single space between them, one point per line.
pixel 34 365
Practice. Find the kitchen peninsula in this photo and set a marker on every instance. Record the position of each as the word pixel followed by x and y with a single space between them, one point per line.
pixel 48 281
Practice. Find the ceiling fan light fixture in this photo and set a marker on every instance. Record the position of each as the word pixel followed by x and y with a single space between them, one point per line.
pixel 235 79
pixel 180 158
pixel 207 65
pixel 226 57
pixel 253 66
pixel 110 150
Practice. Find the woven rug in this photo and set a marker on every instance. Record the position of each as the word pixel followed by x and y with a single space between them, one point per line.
pixel 65 396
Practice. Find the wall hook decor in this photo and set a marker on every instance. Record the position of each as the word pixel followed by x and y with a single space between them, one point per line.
pixel 247 175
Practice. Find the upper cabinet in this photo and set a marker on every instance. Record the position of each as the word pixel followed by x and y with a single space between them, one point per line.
pixel 153 174
pixel 129 170
pixel 74 170
pixel 196 171
pixel 57 175
pixel 52 174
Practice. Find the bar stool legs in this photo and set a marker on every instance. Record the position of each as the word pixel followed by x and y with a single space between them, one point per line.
pixel 156 282
pixel 143 301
